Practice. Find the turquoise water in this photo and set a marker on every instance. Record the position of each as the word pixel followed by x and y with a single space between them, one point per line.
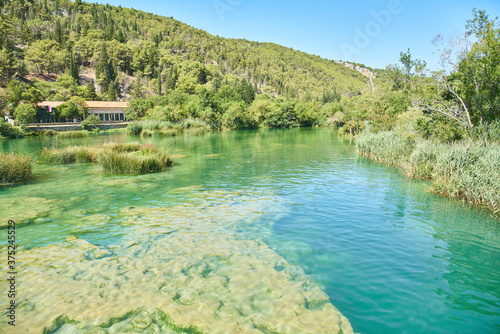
pixel 390 256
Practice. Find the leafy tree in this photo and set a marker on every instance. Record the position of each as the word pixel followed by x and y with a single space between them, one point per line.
pixel 69 110
pixel 25 113
pixel 91 122
pixel 45 57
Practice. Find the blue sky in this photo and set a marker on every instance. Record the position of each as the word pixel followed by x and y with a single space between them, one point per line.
pixel 371 32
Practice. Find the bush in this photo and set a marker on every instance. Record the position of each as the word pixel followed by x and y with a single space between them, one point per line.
pixel 14 168
pixel 91 122
pixel 9 131
pixel 147 133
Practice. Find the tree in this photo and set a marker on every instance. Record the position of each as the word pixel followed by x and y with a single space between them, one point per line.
pixel 89 94
pixel 69 110
pixel 45 57
pixel 25 113
pixel 73 68
pixel 91 122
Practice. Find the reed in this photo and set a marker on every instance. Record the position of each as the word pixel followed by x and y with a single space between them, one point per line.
pixel 14 168
pixel 69 155
pixel 134 162
pixel 468 170
pixel 118 158
pixel 73 134
pixel 195 131
pixel 166 132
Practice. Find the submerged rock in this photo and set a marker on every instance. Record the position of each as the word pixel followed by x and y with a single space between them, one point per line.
pixel 186 268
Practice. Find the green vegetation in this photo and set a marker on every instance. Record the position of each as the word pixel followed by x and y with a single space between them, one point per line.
pixel 468 169
pixel 438 125
pixel 73 134
pixel 14 168
pixel 91 122
pixel 69 155
pixel 192 73
pixel 9 131
pixel 116 158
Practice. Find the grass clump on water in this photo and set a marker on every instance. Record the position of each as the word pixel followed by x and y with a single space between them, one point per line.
pixel 73 134
pixel 14 168
pixel 166 128
pixel 117 158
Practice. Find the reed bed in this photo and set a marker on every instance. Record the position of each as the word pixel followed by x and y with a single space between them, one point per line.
pixel 166 133
pixel 73 134
pixel 69 155
pixel 14 168
pixel 468 170
pixel 150 127
pixel 118 158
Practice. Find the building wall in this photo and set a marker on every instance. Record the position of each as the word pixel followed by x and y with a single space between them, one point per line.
pixel 109 114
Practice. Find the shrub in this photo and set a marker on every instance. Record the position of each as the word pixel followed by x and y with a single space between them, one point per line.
pixel 147 133
pixel 14 168
pixel 91 122
pixel 9 131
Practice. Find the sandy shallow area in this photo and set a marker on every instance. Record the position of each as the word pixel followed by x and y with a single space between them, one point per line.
pixel 198 267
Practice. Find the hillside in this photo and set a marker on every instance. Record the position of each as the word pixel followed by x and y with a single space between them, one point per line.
pixel 131 49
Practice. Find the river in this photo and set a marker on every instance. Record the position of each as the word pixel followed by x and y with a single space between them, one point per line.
pixel 250 231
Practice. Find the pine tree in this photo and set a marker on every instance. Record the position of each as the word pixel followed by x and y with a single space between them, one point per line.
pixel 159 81
pixel 73 68
pixel 58 32
pixel 89 93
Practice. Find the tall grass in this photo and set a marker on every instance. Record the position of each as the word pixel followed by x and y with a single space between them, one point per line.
pixel 73 134
pixel 14 168
pixel 150 127
pixel 134 162
pixel 385 146
pixel 121 158
pixel 69 155
pixel 468 170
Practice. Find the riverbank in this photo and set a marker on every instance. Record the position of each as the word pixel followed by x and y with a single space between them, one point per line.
pixel 468 170
pixel 73 126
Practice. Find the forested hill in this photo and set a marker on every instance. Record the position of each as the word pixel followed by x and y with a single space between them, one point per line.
pixel 129 51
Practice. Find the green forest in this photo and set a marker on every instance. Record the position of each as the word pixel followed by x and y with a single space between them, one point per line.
pixel 65 51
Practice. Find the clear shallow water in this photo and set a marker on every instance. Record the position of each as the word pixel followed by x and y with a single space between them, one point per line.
pixel 391 257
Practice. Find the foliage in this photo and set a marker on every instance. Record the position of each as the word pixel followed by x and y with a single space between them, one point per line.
pixel 25 113
pixel 9 131
pixel 91 122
